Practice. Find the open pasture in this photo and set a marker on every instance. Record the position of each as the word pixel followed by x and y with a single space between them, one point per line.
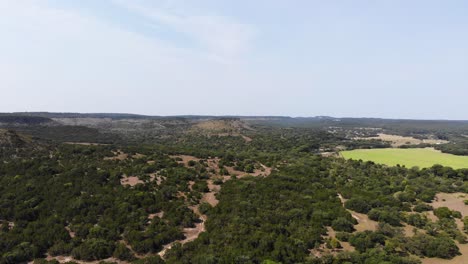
pixel 421 157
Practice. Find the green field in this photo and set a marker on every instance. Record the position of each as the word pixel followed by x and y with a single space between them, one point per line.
pixel 421 157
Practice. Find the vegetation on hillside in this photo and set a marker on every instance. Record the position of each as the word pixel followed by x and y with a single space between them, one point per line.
pixel 137 200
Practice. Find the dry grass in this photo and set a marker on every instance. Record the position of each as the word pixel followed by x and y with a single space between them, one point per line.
pixel 398 141
pixel 118 155
pixel 85 144
pixel 222 128
pixel 364 223
pixel 454 201
pixel 66 259
pixel 130 180
pixel 323 250
pixel 184 159
pixel 222 125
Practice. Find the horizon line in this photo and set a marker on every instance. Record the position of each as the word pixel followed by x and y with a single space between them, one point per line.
pixel 232 115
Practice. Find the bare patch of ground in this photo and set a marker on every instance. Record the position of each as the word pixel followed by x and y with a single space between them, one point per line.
pixel 408 230
pixel 364 223
pixel 138 156
pixel 190 233
pixel 184 159
pixel 346 246
pixel 324 250
pixel 329 154
pixel 159 215
pixel 213 163
pixel 221 125
pixel 453 201
pixel 118 155
pixel 70 232
pixel 263 171
pixel 210 197
pixel 130 180
pixel 65 259
pixel 246 138
pixel 86 143
pixel 154 176
pixel 398 141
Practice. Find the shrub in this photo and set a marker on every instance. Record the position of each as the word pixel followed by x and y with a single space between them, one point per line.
pixel 342 224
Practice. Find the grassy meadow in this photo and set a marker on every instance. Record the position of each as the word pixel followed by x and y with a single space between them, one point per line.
pixel 421 157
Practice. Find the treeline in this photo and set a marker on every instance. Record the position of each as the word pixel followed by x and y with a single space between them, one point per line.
pixel 279 219
pixel 69 200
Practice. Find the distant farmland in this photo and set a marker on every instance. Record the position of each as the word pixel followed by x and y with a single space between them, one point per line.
pixel 421 157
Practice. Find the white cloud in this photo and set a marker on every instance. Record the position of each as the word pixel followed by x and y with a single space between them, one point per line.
pixel 59 59
pixel 221 37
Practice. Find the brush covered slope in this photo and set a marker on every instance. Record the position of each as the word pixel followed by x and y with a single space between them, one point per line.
pixel 193 193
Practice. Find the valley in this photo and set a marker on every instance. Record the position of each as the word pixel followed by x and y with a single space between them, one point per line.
pixel 230 189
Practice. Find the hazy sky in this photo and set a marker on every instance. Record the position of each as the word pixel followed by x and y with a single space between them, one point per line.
pixel 388 58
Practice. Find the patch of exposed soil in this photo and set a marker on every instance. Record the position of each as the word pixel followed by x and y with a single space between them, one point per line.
pixel 364 223
pixel 118 155
pixel 130 180
pixel 154 176
pixel 398 141
pixel 152 216
pixel 323 250
pixel 221 125
pixel 138 156
pixel 209 197
pixel 86 143
pixel 65 259
pixel 453 201
pixel 70 232
pixel 264 171
pixel 184 159
pixel 245 138
pixel 190 233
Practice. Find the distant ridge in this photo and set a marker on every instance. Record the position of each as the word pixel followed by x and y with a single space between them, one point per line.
pixel 52 115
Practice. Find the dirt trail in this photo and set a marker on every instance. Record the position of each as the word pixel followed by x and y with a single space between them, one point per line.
pixel 190 233
pixel 364 223
pixel 323 250
pixel 209 197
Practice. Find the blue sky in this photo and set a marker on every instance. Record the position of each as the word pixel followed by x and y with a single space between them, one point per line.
pixel 394 59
